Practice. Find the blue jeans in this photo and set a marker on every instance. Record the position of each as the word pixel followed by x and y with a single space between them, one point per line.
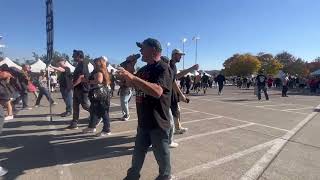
pixel 159 139
pixel 43 91
pixel 125 96
pixel 67 98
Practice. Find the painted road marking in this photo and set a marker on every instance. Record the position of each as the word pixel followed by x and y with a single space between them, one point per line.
pixel 272 127
pixel 203 167
pixel 260 166
pixel 177 140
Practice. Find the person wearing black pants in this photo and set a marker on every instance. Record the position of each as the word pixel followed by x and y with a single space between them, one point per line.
pixel 220 79
pixel 80 87
pixel 285 87
pixel 99 108
pixel 261 83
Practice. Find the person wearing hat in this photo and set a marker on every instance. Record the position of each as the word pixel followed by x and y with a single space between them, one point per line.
pixel 153 84
pixel 65 84
pixel 261 84
pixel 176 94
pixel 80 88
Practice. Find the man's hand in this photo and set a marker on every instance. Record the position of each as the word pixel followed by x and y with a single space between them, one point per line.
pixel 125 74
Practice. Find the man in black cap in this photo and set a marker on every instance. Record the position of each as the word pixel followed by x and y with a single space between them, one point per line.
pixel 153 84
pixel 80 88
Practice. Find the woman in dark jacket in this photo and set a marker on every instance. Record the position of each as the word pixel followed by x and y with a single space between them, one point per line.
pixel 99 108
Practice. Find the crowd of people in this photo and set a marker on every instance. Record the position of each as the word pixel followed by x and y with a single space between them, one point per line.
pixel 159 88
pixel 156 90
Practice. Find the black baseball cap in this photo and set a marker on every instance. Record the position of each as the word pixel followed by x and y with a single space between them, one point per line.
pixel 151 43
pixel 78 53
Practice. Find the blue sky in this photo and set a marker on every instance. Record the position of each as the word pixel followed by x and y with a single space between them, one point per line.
pixel 111 27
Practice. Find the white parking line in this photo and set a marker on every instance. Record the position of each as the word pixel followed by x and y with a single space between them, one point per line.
pixel 276 105
pixel 309 107
pixel 132 131
pixel 256 106
pixel 284 110
pixel 203 167
pixel 260 166
pixel 213 132
pixel 281 129
pixel 177 140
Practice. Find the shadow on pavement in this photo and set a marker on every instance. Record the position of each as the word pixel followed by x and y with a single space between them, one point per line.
pixel 39 151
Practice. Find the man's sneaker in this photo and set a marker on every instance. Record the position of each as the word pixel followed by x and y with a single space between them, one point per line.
pixel 7 118
pixel 72 126
pixel 181 130
pixel 173 145
pixel 103 134
pixel 36 106
pixel 3 171
pixel 65 114
pixel 54 103
pixel 126 117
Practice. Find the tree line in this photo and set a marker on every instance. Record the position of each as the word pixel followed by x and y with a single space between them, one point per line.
pixel 247 64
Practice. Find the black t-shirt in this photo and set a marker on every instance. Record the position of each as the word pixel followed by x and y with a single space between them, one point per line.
pixel 220 79
pixel 81 69
pixel 205 79
pixel 261 80
pixel 65 78
pixel 154 112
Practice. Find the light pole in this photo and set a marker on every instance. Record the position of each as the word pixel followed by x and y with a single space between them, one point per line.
pixel 168 44
pixel 2 46
pixel 196 38
pixel 184 40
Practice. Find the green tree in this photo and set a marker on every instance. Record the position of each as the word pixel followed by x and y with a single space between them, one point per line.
pixel 269 64
pixel 242 65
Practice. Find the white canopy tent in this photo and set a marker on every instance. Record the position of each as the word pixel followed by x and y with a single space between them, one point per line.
pixel 10 63
pixel 90 67
pixel 38 66
pixel 110 68
pixel 70 66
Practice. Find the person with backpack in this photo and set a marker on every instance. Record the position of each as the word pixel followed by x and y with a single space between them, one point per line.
pixel 99 95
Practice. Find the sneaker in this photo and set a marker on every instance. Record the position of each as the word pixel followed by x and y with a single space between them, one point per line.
pixel 89 130
pixel 126 117
pixel 181 131
pixel 103 134
pixel 65 114
pixel 173 145
pixel 7 118
pixel 72 126
pixel 54 103
pixel 3 171
pixel 36 106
